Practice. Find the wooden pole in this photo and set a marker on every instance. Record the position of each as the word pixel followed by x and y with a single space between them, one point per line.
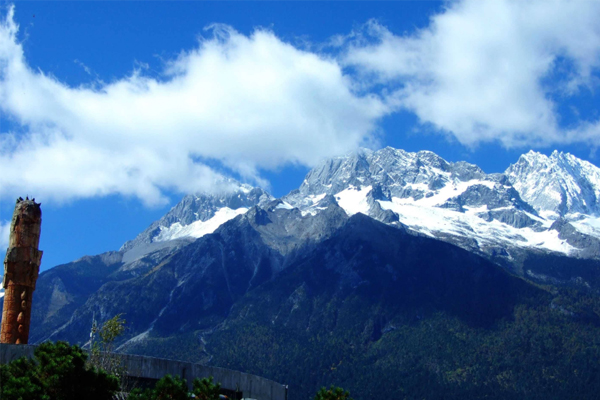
pixel 21 269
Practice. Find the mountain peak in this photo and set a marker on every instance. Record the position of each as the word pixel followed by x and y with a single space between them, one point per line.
pixel 456 201
pixel 202 213
pixel 557 185
pixel 534 157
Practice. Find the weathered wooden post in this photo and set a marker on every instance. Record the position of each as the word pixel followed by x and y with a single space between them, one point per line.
pixel 21 269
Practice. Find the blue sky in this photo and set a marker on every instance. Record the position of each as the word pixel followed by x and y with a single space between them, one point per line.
pixel 111 111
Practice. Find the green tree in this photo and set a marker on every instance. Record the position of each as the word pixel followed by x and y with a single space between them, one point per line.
pixel 102 346
pixel 206 389
pixel 167 388
pixel 57 372
pixel 333 393
pixel 175 388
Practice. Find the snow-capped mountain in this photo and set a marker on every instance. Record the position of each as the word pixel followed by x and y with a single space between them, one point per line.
pixel 422 178
pixel 197 215
pixel 541 203
pixel 558 185
pixel 369 242
pixel 564 189
pixel 456 202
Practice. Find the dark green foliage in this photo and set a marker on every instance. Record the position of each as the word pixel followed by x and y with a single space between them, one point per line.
pixel 175 388
pixel 58 372
pixel 414 319
pixel 333 393
pixel 388 316
pixel 206 389
pixel 102 346
pixel 543 351
pixel 171 388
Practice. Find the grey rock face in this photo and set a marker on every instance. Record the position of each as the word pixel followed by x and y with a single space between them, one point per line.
pixel 517 218
pixel 286 230
pixel 589 245
pixel 204 277
pixel 496 197
pixel 504 205
pixel 393 170
pixel 463 171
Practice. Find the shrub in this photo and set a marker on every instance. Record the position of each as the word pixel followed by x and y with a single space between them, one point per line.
pixel 175 388
pixel 333 393
pixel 57 372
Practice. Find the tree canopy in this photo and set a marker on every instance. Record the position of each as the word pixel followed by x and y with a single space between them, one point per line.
pixel 58 371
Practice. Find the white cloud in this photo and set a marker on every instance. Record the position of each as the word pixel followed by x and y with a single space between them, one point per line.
pixel 4 235
pixel 481 69
pixel 251 103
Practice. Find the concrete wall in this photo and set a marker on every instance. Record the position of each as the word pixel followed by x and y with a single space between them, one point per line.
pixel 252 386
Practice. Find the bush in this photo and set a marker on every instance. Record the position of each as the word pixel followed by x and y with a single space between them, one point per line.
pixel 171 388
pixel 205 389
pixel 333 393
pixel 57 372
pixel 175 388
pixel 102 348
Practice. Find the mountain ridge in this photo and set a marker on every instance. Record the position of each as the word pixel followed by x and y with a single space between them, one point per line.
pixel 570 185
pixel 374 250
pixel 452 201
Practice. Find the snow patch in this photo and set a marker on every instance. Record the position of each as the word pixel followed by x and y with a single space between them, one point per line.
pixel 198 228
pixel 549 215
pixel 284 205
pixel 477 210
pixel 312 211
pixel 317 198
pixel 589 226
pixel 430 220
pixel 354 200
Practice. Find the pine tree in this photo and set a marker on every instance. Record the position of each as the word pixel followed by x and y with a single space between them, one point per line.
pixel 333 393
pixel 57 372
